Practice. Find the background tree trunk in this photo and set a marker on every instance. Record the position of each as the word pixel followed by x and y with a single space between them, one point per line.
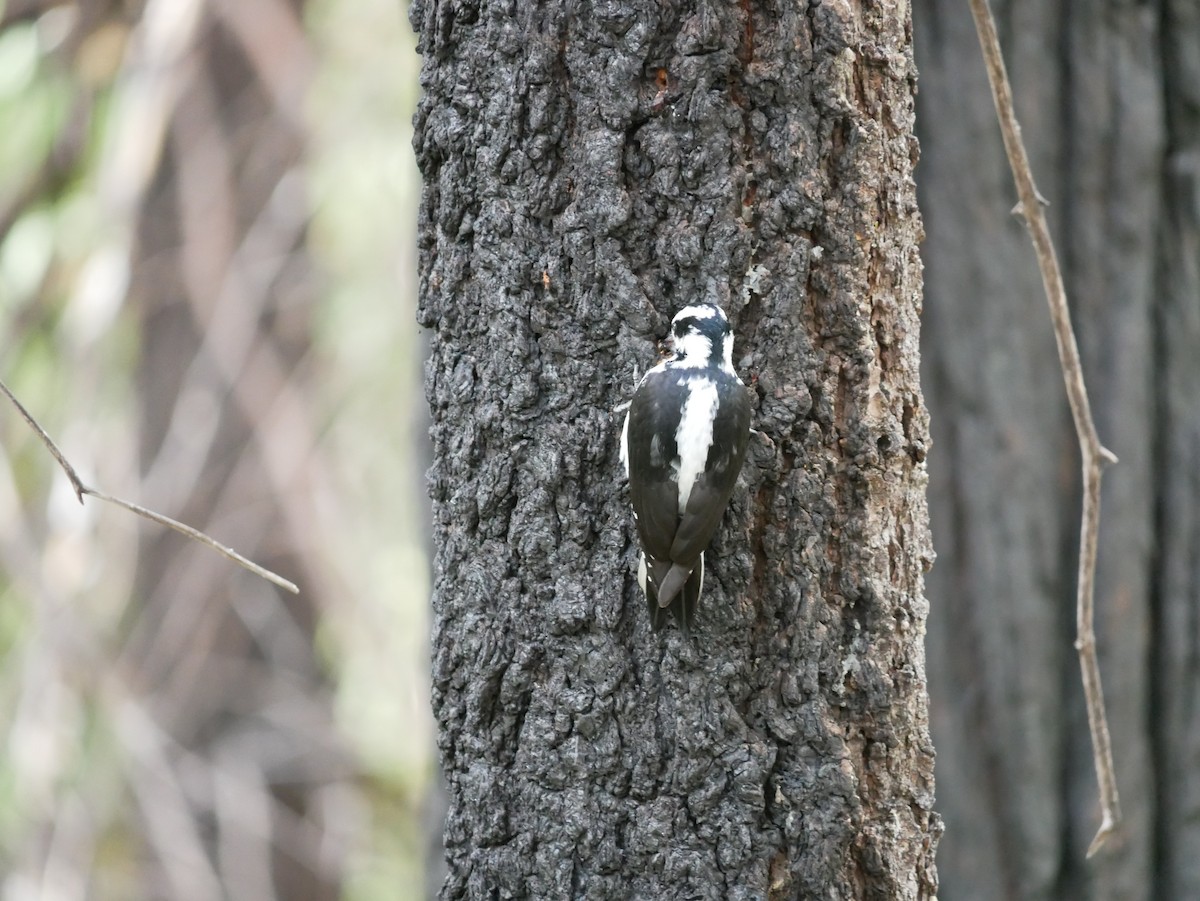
pixel 588 170
pixel 1108 100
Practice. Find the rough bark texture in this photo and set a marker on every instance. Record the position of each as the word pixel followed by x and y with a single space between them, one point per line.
pixel 1110 111
pixel 589 168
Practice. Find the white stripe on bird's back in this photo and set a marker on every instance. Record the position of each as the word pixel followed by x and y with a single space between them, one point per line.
pixel 694 436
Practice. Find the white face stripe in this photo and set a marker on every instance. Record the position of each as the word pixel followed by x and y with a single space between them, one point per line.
pixel 693 351
pixel 694 348
pixel 694 436
pixel 700 312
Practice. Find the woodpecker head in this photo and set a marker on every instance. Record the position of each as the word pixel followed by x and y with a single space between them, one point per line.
pixel 700 337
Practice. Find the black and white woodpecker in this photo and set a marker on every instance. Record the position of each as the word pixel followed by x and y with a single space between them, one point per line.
pixel 683 445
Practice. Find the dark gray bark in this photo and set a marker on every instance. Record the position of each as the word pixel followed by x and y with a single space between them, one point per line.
pixel 590 168
pixel 1174 712
pixel 1107 96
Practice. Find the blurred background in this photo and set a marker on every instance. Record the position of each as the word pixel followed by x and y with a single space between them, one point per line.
pixel 206 296
pixel 207 278
pixel 1108 96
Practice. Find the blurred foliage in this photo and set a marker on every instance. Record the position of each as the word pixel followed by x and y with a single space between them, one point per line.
pixel 365 189
pixel 69 349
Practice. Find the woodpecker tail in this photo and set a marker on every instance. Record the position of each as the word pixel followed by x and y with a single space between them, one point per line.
pixel 672 584
pixel 678 591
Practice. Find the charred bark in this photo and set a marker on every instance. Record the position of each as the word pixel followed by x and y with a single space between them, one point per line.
pixel 590 168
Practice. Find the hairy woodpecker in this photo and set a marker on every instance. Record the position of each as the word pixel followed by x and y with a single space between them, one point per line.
pixel 683 445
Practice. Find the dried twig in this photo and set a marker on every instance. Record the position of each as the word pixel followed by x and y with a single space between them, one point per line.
pixel 82 489
pixel 1094 454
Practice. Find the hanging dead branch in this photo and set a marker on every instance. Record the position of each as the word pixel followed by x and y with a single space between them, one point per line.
pixel 1094 454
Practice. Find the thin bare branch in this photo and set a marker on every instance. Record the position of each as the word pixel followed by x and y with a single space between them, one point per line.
pixel 1093 453
pixel 76 482
pixel 81 489
pixel 196 535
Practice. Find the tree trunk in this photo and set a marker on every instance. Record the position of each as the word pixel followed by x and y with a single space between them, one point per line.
pixel 1107 97
pixel 589 170
pixel 1175 672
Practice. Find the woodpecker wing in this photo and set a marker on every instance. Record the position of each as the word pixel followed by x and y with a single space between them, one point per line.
pixel 653 486
pixel 714 486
